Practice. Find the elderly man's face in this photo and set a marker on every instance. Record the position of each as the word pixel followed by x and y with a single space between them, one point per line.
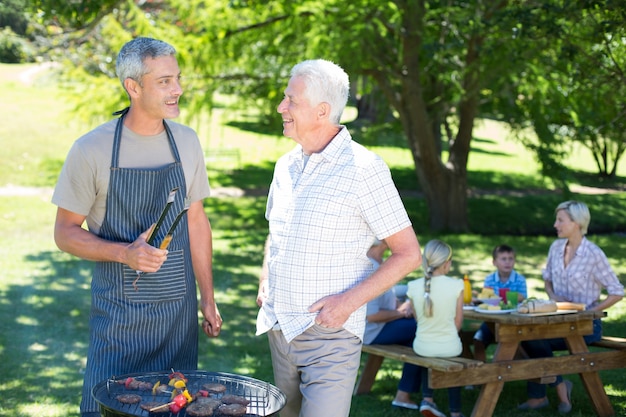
pixel 299 117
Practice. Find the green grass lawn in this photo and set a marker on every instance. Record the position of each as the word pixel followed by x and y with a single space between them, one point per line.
pixel 44 293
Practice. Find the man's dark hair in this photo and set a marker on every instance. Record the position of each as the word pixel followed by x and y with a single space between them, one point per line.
pixel 502 249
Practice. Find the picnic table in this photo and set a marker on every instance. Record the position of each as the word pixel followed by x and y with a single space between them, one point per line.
pixel 509 363
pixel 512 329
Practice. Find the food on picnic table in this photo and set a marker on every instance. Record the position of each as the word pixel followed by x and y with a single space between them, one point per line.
pixel 532 306
pixel 129 398
pixel 487 293
pixel 566 305
pixel 496 306
pixel 485 306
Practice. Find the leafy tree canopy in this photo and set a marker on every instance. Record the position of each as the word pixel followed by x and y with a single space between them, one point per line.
pixel 438 65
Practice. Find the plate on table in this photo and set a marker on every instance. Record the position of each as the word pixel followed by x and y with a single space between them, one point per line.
pixel 480 310
pixel 492 301
pixel 469 308
pixel 551 313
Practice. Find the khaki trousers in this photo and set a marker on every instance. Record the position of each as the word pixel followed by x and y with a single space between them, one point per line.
pixel 316 371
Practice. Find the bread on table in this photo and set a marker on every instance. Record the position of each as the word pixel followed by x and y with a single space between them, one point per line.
pixel 537 306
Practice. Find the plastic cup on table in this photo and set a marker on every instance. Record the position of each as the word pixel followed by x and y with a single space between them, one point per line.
pixel 511 298
pixel 502 293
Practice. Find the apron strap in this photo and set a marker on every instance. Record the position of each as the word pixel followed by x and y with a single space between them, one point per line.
pixel 121 112
pixel 117 139
pixel 173 147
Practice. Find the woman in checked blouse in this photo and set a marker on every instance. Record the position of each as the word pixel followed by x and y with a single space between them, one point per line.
pixel 578 271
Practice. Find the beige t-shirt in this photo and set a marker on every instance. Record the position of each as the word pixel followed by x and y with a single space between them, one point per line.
pixel 84 180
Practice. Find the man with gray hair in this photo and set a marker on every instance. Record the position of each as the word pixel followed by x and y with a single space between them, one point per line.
pixel 329 200
pixel 118 178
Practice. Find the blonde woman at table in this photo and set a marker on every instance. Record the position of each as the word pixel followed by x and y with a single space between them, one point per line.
pixel 437 301
pixel 576 271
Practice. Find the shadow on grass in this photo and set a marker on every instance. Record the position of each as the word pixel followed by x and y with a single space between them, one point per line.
pixel 259 176
pixel 248 177
pixel 261 127
pixel 43 333
pixel 594 180
pixel 238 350
pixel 527 215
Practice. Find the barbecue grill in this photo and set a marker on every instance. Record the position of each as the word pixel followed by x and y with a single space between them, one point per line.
pixel 265 399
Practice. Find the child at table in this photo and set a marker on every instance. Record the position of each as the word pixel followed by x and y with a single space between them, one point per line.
pixel 505 276
pixel 437 301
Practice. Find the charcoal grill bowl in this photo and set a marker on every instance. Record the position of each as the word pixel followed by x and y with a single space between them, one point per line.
pixel 265 399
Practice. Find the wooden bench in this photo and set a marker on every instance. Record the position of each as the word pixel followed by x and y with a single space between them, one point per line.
pixel 377 353
pixel 610 342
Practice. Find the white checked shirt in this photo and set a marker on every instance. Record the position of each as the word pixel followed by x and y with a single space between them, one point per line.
pixel 585 276
pixel 323 217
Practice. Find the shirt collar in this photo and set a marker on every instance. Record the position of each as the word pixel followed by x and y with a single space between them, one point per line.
pixel 583 247
pixel 332 151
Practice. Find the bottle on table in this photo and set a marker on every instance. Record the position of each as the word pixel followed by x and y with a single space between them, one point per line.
pixel 467 290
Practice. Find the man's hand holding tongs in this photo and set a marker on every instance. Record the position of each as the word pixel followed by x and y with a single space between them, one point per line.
pixel 144 257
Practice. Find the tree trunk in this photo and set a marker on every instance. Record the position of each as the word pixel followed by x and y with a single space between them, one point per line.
pixel 444 185
pixel 423 111
pixel 445 191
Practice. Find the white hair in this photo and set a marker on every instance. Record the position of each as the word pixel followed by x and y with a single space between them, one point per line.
pixel 325 82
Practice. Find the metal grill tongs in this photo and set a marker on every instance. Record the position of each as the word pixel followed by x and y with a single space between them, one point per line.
pixel 170 233
pixel 168 238
pixel 166 209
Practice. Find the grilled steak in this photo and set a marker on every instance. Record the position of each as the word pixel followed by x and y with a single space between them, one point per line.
pixel 214 387
pixel 234 399
pixel 232 409
pixel 203 407
pixel 129 398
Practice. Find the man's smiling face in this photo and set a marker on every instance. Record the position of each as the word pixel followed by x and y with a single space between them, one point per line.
pixel 299 117
pixel 160 88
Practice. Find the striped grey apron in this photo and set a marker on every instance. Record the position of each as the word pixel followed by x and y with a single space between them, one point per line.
pixel 155 327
